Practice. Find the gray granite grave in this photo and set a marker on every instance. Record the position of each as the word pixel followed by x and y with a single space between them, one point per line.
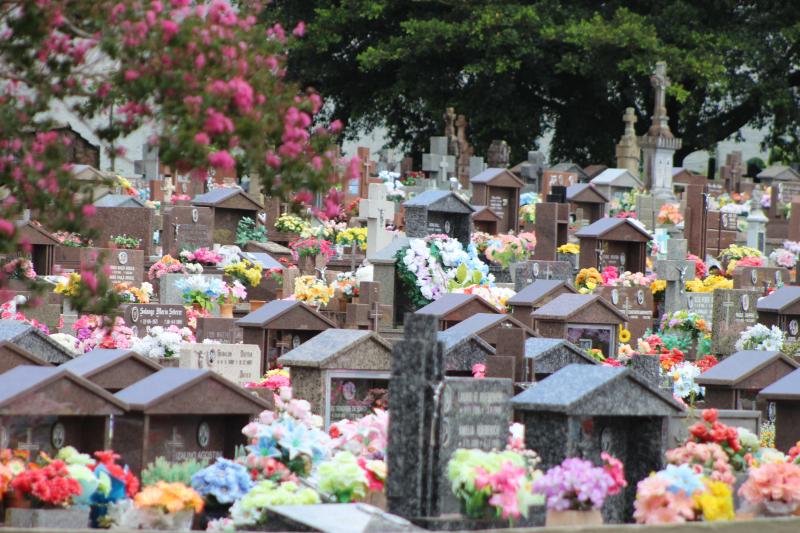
pixel 168 292
pixel 335 518
pixel 438 212
pixel 34 341
pixel 527 272
pixel 544 357
pixel 463 350
pixel 734 311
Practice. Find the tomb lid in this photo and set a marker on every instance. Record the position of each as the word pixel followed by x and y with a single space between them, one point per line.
pixel 779 300
pixel 432 198
pixel 17 356
pixel 273 310
pixel 34 233
pixel 15 331
pixel 266 260
pixel 17 383
pixel 564 306
pixel 217 197
pixel 740 366
pixel 166 385
pixel 118 200
pixel 596 390
pixel 779 172
pixel 271 247
pixel 605 225
pixel 617 177
pixel 481 322
pixel 318 351
pixel 541 347
pixel 341 518
pixel 451 302
pixel 538 290
pixel 387 254
pixel 485 214
pixel 499 177
pixel 585 193
pixel 95 361
pixel 594 170
pixel 786 388
pixel 451 339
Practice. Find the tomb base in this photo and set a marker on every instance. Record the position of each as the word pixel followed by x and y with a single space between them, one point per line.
pixel 457 522
pixel 47 518
pixel 574 518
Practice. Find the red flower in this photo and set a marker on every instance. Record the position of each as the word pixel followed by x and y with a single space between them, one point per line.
pixel 699 431
pixel 710 415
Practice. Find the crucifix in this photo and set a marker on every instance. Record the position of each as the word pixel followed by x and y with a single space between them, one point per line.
pixel 376 209
pixel 438 159
pixel 600 253
pixel 176 441
pixel 682 277
pixel 168 188
pixel 375 315
pixel 283 345
pixel 676 270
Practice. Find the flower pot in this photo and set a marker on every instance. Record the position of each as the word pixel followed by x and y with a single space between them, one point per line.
pixel 256 304
pixel 777 508
pixel 13 499
pixel 377 499
pixel 73 518
pixel 153 518
pixel 573 518
pixel 307 265
pixel 169 362
pixel 226 310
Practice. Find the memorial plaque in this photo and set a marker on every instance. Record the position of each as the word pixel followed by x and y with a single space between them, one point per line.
pixel 701 303
pixel 760 277
pixel 239 363
pixel 527 272
pixel 354 394
pixel 192 236
pixel 187 228
pixel 141 317
pixel 551 178
pixel 734 311
pixel 637 305
pixel 788 190
pixel 222 330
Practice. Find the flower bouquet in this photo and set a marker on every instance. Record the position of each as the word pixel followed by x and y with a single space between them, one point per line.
pixel 773 488
pixel 47 487
pixel 343 479
pixel 162 343
pixel 125 242
pixel 91 331
pixel 202 256
pixel 679 494
pixel 221 484
pixel 569 248
pixel 710 284
pixel 783 258
pixel 346 286
pixel 200 291
pixel 711 430
pixel 761 337
pixel 366 437
pixel 312 291
pixel 707 458
pixel 19 268
pixel 669 215
pixel 506 249
pixel 247 272
pixel 290 224
pixel 232 294
pixel 248 511
pixel 353 236
pixel 682 375
pixel 130 294
pixel 747 261
pixel 577 485
pixel 493 484
pixel 116 481
pixel 274 380
pixel 587 280
pixel 166 506
pixel 165 265
pixel 305 252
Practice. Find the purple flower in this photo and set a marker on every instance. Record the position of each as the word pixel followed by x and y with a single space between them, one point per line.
pixel 575 484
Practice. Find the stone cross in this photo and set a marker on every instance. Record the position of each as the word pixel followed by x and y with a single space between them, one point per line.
pixel 176 441
pixel 377 210
pixel 168 188
pixel 757 224
pixel 532 169
pixel 375 314
pixel 627 150
pixel 676 270
pixel 438 161
pixel 660 82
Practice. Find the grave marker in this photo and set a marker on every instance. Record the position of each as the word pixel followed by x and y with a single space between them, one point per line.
pixel 734 311
pixel 239 363
pixel 141 317
pixel 377 210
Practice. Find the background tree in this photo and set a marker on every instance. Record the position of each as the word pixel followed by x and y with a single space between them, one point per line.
pixel 518 69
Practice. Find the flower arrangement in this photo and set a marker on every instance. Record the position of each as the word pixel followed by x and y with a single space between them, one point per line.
pixel 311 247
pixel 126 242
pixel 47 486
pixel 233 292
pixel 497 296
pixel 528 240
pixel 761 337
pixel 772 484
pixel 783 258
pixel 706 458
pixel 12 463
pixel 658 287
pixel 700 268
pixel 346 286
pixel 165 265
pixel 353 236
pixel 129 293
pixel 587 280
pixel 92 332
pixel 678 494
pixel 247 230
pixel 249 510
pixel 687 322
pixel 71 240
pixel 710 429
pixel 736 252
pixel 683 377
pixel 312 291
pixel 501 482
pixel 222 483
pixel 529 198
pixel 19 268
pixel 710 284
pixel 289 223
pixel 342 478
pixel 612 278
pixel 200 291
pixel 792 246
pixel 527 213
pixel 481 240
pixel 576 484
pixel 747 261
pixel 71 286
pixel 365 438
pixel 274 380
pixel 569 248
pixel 505 249
pixel 669 214
pixel 247 272
pixel 202 256
pixel 169 498
pixel 162 343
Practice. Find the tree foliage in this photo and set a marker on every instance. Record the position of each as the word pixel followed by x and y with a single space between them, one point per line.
pixel 518 69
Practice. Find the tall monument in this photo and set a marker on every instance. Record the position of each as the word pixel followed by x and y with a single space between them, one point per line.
pixel 628 152
pixel 659 145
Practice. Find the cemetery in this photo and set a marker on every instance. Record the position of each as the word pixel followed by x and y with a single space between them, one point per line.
pixel 263 325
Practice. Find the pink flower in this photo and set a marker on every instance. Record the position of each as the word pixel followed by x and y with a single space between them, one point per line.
pixel 221 160
pixel 201 138
pixel 88 210
pixel 300 29
pixel 131 75
pixel 6 227
pixel 478 370
pixel 170 28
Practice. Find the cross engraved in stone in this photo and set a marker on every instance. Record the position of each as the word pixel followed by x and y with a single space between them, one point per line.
pixel 599 252
pixel 28 445
pixel 176 441
pixel 547 273
pixel 727 304
pixel 375 314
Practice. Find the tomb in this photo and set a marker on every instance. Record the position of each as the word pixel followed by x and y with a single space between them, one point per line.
pixel 588 203
pixel 186 228
pixel 454 307
pixel 463 350
pixel 280 326
pixel 561 175
pixel 636 303
pixel 583 410
pixel 12 356
pixel 136 222
pixel 338 372
pixel 760 278
pixel 733 311
pixel 44 408
pixel 180 414
pixel 777 173
pixel 335 518
pixel 544 356
pixel 34 341
pixel 535 296
pixel 222 330
pixel 592 171
pixel 438 212
pixel 43 247
pixel 551 228
pixel 229 206
pixel 491 326
pixel 485 220
pixel 113 370
pixel 499 189
pixel 123 265
pixel 782 309
pixel 785 394
pixel 238 363
pixel 526 272
pixel 586 320
pixel 615 182
pixel 734 382
pixel 618 242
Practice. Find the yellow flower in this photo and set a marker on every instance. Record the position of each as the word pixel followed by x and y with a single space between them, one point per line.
pixel 716 502
pixel 569 248
pixel 657 286
pixel 172 497
pixel 624 335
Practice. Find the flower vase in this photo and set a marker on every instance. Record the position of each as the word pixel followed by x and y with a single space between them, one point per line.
pixel 376 499
pixel 169 362
pixel 573 518
pixel 14 500
pixel 307 264
pixel 778 508
pixel 154 518
pixel 70 518
pixel 226 310
pixel 255 305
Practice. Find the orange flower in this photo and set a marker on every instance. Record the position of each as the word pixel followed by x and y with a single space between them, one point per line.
pixel 172 497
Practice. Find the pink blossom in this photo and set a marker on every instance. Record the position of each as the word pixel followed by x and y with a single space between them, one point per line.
pixel 6 227
pixel 217 123
pixel 272 160
pixel 200 61
pixel 88 210
pixel 170 28
pixel 300 29
pixel 221 160
pixel 201 138
pixel 336 126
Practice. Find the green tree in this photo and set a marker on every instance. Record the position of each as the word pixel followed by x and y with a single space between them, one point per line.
pixel 571 66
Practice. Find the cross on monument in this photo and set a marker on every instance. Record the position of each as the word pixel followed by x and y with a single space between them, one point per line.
pixel 28 445
pixel 438 160
pixel 176 441
pixel 629 119
pixel 676 270
pixel 727 304
pixel 375 315
pixel 376 209
pixel 660 82
pixel 168 188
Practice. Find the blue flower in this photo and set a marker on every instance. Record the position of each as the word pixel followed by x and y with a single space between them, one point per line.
pixel 225 480
pixel 683 478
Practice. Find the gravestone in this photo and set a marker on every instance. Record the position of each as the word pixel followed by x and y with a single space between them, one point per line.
pixel 676 270
pixel 532 169
pixel 335 518
pixel 527 272
pixel 761 278
pixel 617 242
pixel 562 175
pixel 551 228
pixel 186 228
pixel 785 394
pixel 238 363
pixel 33 340
pixel 438 212
pixel 534 296
pixel 545 356
pixel 782 309
pixel 498 154
pixel 125 266
pixel 499 189
pixel 136 222
pixel 701 303
pixel 229 206
pixel 113 370
pixel 432 416
pixel 757 225
pixel 168 292
pixel 342 373
pixel 476 166
pixel 12 356
pixel 636 303
pixel 141 317
pixel 722 231
pixel 437 162
pixel 732 171
pixel 366 310
pixel 462 351
pixel 377 210
pixel 734 311
pixel 222 330
pixel 695 221
pixel 453 307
